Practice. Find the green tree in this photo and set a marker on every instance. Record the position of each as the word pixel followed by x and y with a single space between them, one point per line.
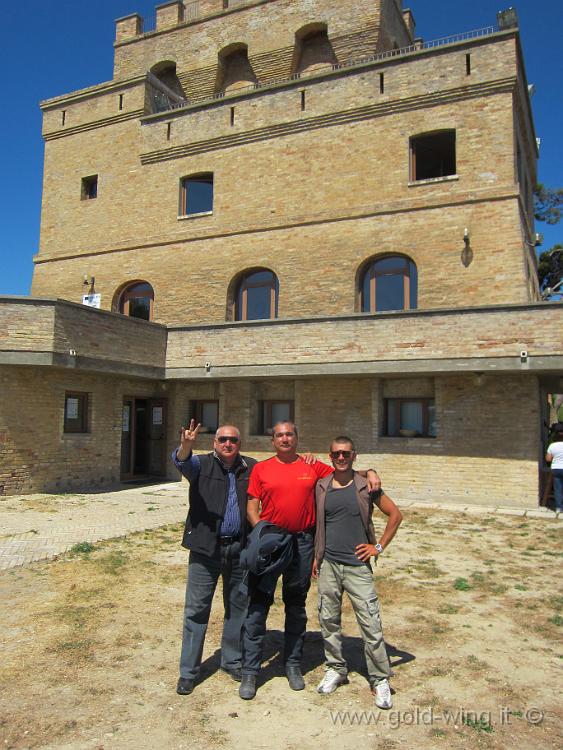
pixel 550 271
pixel 547 203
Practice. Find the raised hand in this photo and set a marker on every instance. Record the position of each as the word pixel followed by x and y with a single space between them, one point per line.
pixel 188 437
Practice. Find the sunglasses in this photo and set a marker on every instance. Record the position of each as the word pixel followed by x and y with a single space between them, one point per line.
pixel 337 454
pixel 227 439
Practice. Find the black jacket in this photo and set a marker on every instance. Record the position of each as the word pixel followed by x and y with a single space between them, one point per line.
pixel 208 502
pixel 269 553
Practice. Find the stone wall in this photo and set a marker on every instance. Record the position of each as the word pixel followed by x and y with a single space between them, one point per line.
pixel 472 459
pixel 36 455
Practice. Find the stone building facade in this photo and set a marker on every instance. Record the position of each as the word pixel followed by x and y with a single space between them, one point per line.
pixel 320 215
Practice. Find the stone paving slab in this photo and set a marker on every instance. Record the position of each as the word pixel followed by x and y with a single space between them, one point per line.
pixel 41 527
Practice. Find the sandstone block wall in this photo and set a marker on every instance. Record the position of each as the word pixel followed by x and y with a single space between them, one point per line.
pixel 36 455
pixel 470 460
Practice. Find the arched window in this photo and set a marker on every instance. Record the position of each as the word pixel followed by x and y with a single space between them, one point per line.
pixel 137 300
pixel 313 50
pixel 389 283
pixel 257 296
pixel 196 194
pixel 235 69
pixel 165 89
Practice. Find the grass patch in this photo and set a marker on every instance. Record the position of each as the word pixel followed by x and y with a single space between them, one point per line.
pixel 448 609
pixel 462 584
pixel 479 724
pixel 520 587
pixel 82 548
pixel 556 620
pixel 112 562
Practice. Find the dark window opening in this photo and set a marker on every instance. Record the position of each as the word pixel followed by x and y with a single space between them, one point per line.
pixel 410 417
pixel 196 194
pixel 89 188
pixel 433 155
pixel 168 130
pixel 232 116
pixel 381 83
pixel 257 297
pixel 121 101
pixel 390 283
pixel 205 413
pixel 303 102
pixel 63 117
pixel 137 301
pixel 468 64
pixel 76 412
pixel 274 411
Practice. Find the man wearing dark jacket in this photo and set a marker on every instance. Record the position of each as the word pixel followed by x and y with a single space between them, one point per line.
pixel 215 534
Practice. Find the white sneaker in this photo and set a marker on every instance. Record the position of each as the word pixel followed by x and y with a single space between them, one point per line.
pixel 382 693
pixel 331 681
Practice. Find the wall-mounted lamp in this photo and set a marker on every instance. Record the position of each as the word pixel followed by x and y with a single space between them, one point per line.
pixel 467 252
pixel 89 282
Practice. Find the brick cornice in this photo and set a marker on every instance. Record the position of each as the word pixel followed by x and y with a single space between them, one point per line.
pixel 63 132
pixel 344 117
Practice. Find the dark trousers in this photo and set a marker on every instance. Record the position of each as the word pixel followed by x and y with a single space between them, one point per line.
pixel 296 580
pixel 203 574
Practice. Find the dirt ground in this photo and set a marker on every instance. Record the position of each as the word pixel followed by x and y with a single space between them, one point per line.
pixel 472 613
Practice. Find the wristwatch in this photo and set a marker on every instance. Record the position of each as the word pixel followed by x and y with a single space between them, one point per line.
pixel 379 548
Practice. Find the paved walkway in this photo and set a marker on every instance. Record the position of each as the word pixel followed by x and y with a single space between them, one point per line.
pixel 40 527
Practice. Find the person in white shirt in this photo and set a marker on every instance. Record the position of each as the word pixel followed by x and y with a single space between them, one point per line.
pixel 554 456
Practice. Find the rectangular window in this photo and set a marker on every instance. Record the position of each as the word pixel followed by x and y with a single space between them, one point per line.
pixel 89 188
pixel 206 413
pixel 196 194
pixel 272 412
pixel 410 417
pixel 76 412
pixel 433 155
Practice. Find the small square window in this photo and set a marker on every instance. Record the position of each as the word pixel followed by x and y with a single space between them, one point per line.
pixel 205 413
pixel 89 189
pixel 196 194
pixel 272 412
pixel 433 155
pixel 76 412
pixel 410 417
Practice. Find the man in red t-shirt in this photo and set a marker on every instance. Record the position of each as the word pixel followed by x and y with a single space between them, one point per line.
pixel 284 487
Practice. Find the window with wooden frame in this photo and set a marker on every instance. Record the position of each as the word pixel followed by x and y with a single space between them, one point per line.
pixel 257 296
pixel 409 417
pixel 432 155
pixel 196 194
pixel 205 413
pixel 389 283
pixel 89 188
pixel 137 301
pixel 273 411
pixel 76 412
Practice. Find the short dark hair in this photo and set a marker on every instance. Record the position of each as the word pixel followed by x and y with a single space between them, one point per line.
pixel 285 421
pixel 343 439
pixel 558 427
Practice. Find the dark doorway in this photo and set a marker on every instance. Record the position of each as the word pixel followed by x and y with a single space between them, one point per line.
pixel 143 438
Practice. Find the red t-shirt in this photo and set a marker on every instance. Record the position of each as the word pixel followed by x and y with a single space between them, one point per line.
pixel 287 491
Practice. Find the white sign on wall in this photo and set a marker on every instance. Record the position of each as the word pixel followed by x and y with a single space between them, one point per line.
pixel 72 408
pixel 92 300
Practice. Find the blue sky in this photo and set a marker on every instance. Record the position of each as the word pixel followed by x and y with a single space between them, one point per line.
pixel 52 48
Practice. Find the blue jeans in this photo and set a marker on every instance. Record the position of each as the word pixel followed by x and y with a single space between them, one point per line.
pixel 558 488
pixel 296 581
pixel 203 574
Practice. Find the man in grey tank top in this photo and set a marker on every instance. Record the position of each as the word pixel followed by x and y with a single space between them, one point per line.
pixel 344 544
